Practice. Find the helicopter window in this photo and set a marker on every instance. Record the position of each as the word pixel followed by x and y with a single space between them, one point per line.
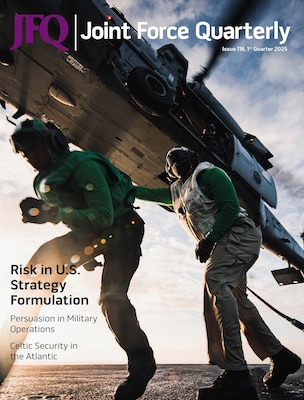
pixel 218 142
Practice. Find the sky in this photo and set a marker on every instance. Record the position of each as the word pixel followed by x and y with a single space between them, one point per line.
pixel 264 91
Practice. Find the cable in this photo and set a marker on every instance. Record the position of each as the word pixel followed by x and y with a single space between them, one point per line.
pixel 293 321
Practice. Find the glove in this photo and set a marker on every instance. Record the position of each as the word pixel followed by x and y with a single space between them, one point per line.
pixel 203 250
pixel 37 212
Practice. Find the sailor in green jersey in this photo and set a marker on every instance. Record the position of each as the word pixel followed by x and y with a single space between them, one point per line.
pixel 207 206
pixel 93 198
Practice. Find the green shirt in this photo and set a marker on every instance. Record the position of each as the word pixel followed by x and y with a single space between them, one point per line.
pixel 87 189
pixel 217 186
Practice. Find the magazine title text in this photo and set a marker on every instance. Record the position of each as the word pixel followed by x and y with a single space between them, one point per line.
pixel 26 26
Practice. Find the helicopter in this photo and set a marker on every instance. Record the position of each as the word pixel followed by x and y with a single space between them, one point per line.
pixel 83 67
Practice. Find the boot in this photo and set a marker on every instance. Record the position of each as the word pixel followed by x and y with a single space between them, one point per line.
pixel 231 385
pixel 141 370
pixel 281 364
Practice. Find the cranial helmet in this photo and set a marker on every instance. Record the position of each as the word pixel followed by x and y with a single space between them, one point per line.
pixel 30 133
pixel 180 162
pixel 210 130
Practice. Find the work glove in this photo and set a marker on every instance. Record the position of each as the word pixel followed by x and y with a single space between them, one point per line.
pixel 203 250
pixel 37 211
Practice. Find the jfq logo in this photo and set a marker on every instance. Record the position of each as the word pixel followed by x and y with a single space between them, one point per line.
pixel 30 25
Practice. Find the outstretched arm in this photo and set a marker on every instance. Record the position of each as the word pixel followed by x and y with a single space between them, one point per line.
pixel 161 196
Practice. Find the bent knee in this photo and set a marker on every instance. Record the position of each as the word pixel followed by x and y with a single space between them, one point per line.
pixel 108 298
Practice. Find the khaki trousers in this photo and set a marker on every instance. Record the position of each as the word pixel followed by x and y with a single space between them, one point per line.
pixel 226 306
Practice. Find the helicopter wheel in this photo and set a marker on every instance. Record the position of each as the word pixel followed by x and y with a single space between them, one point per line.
pixel 2 8
pixel 150 91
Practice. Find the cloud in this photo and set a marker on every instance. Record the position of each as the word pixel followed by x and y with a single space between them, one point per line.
pixel 272 65
pixel 175 11
pixel 289 181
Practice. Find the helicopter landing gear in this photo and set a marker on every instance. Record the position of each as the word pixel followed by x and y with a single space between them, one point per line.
pixel 150 91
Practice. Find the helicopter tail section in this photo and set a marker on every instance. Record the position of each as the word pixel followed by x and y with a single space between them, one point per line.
pixel 280 242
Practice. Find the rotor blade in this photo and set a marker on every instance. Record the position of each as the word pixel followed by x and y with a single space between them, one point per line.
pixel 293 321
pixel 239 12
